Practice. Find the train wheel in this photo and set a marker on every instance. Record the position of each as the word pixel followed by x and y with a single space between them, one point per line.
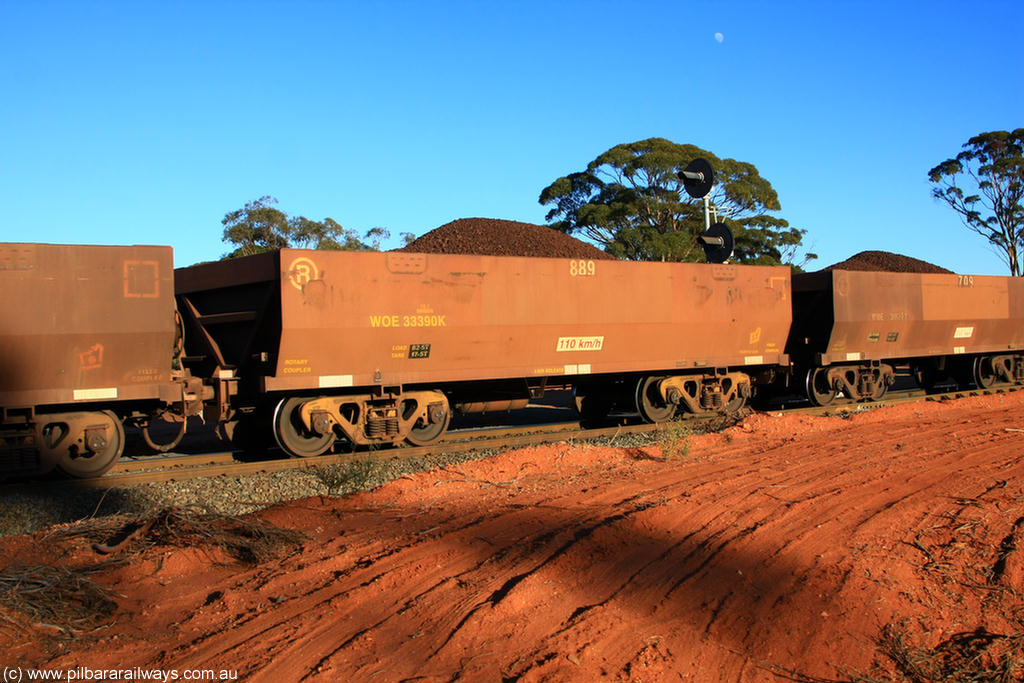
pixel 881 388
pixel 819 391
pixel 84 444
pixel 292 435
pixel 984 372
pixel 426 434
pixel 735 404
pixel 649 403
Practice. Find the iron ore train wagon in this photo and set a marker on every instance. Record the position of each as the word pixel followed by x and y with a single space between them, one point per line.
pixel 851 328
pixel 382 347
pixel 86 342
pixel 309 347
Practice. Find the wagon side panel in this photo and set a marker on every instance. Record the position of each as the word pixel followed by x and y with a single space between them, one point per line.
pixel 84 324
pixel 879 316
pixel 363 319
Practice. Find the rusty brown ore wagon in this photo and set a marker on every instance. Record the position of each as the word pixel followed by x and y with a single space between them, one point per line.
pixel 379 348
pixel 86 341
pixel 852 327
pixel 382 347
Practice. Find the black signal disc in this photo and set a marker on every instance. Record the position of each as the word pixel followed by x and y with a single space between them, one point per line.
pixel 715 252
pixel 698 187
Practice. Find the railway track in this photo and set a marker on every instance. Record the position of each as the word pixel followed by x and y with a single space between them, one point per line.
pixel 180 467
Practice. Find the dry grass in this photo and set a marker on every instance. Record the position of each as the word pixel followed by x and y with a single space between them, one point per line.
pixel 66 600
pixel 251 542
pixel 975 657
pixel 56 598
pixel 675 440
pixel 348 477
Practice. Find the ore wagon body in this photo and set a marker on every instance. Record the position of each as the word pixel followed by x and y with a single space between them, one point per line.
pixel 851 327
pixel 382 346
pixel 86 338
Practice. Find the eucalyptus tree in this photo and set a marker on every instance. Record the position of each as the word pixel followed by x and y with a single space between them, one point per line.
pixel 260 226
pixel 630 201
pixel 985 185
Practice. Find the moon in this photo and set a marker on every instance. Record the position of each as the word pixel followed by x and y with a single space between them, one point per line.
pixel 719 37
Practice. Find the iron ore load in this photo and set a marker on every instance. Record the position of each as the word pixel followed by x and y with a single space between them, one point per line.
pixel 309 348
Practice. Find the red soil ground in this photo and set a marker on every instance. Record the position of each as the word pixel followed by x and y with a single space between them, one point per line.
pixel 785 545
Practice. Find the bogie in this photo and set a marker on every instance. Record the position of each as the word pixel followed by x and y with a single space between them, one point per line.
pixel 870 382
pixel 309 426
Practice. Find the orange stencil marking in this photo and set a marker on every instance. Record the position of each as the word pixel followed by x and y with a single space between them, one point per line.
pixel 91 358
pixel 141 279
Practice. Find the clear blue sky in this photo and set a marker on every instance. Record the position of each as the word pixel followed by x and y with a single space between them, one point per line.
pixel 146 122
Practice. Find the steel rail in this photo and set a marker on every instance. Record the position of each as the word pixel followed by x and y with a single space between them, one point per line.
pixel 178 467
pixel 527 436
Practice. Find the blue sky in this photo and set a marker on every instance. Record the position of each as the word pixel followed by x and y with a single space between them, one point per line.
pixel 145 122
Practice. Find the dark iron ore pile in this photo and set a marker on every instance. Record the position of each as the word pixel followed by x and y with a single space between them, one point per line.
pixel 496 237
pixel 886 262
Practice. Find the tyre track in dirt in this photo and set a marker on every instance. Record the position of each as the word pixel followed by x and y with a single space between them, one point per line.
pixel 886 502
pixel 387 577
pixel 784 543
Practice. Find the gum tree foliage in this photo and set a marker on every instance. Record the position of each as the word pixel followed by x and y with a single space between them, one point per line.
pixel 377 236
pixel 985 185
pixel 259 226
pixel 631 202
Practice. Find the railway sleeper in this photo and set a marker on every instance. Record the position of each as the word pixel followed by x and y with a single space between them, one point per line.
pixel 310 426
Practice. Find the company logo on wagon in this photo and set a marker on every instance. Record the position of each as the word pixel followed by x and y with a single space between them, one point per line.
pixel 301 271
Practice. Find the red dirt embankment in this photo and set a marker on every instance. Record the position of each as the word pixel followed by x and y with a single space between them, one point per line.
pixel 785 544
